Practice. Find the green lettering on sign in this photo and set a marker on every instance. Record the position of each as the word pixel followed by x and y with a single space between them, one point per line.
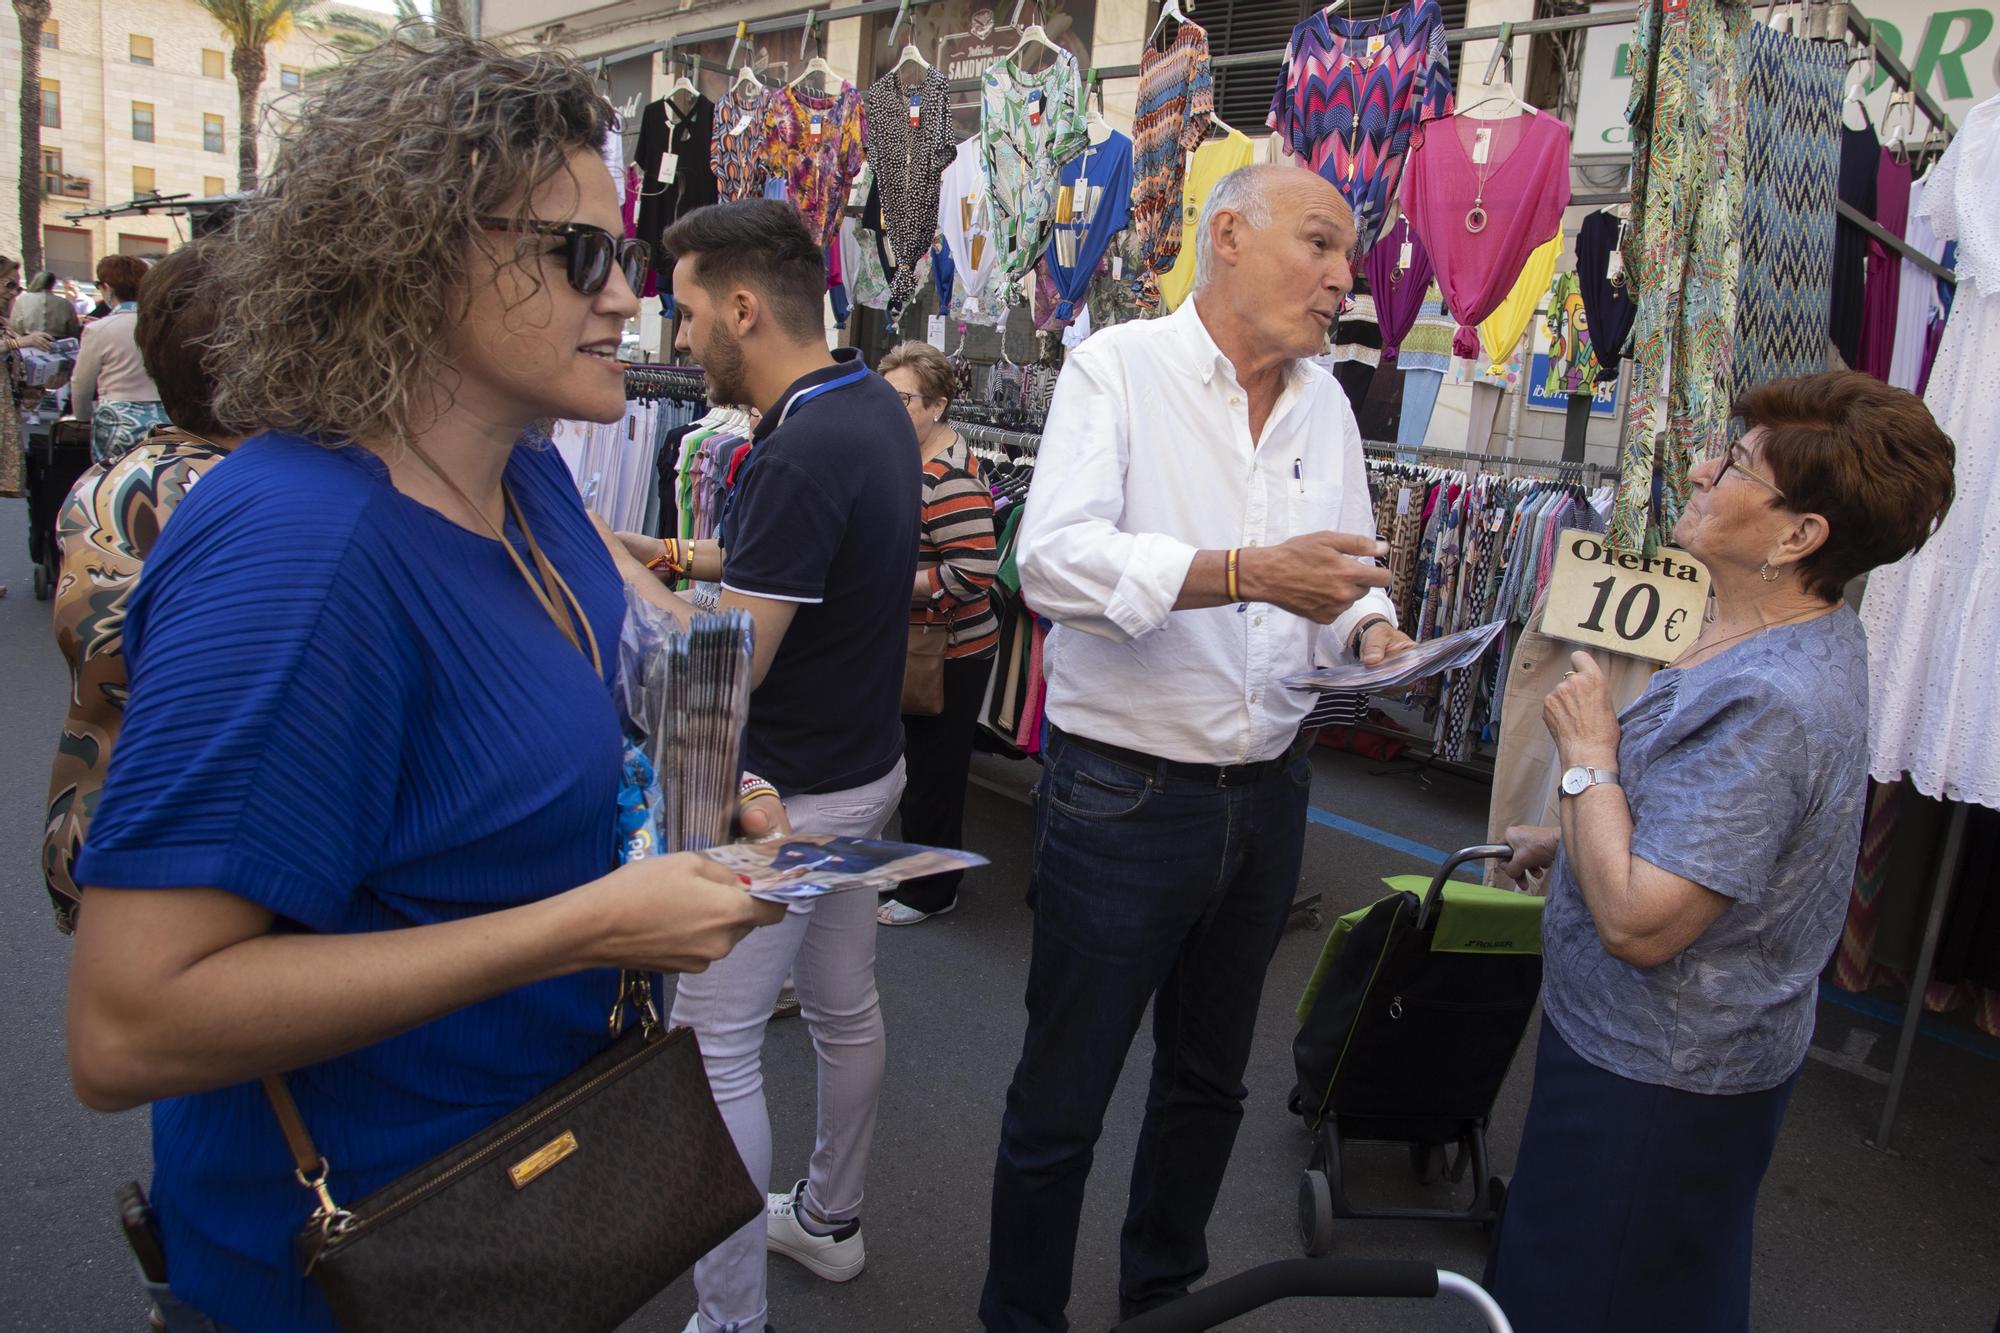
pixel 1621 65
pixel 1932 58
pixel 1890 38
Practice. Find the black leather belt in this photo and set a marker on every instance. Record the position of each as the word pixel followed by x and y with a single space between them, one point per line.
pixel 1206 775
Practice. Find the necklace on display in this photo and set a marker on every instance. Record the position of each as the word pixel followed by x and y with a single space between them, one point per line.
pixel 1475 217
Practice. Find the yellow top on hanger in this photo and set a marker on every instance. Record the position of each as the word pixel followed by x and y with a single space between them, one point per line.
pixel 1212 161
pixel 1500 332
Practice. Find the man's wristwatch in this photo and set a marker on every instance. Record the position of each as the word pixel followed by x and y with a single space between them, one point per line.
pixel 1361 632
pixel 1578 780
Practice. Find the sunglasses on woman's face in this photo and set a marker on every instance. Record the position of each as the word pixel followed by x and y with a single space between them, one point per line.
pixel 589 253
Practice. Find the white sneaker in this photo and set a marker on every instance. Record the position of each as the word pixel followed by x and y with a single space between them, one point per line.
pixel 839 1257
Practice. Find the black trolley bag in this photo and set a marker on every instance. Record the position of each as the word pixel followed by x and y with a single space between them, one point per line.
pixel 1406 1032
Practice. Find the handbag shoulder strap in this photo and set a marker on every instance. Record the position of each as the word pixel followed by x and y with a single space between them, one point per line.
pixel 311 1165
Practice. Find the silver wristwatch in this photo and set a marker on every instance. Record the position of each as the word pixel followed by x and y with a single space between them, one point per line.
pixel 1578 780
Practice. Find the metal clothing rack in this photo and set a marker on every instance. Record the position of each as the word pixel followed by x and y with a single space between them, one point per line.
pixel 1587 473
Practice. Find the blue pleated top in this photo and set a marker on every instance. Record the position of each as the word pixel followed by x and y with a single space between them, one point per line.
pixel 354 712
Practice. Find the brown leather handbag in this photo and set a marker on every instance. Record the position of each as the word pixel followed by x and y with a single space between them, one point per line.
pixel 566 1216
pixel 923 670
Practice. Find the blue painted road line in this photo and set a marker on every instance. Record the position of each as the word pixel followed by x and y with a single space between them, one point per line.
pixel 1430 856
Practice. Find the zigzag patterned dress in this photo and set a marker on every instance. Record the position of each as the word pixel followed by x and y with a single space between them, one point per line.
pixel 1792 88
pixel 1171 118
pixel 1353 91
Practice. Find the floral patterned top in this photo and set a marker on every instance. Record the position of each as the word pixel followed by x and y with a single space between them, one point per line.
pixel 735 155
pixel 814 143
pixel 1030 126
pixel 1171 118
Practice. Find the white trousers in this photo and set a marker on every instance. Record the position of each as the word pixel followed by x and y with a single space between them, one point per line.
pixel 828 947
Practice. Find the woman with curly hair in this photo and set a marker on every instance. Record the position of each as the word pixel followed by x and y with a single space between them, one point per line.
pixel 359 823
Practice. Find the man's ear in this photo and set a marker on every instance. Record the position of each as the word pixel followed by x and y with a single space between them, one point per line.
pixel 746 311
pixel 1225 234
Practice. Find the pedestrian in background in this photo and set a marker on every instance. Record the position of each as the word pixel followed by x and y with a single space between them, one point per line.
pixel 111 389
pixel 955 566
pixel 43 310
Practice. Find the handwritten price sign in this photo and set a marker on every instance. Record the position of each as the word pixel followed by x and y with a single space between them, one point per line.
pixel 1622 602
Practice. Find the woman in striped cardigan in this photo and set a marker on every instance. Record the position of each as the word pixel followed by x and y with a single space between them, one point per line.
pixel 955 566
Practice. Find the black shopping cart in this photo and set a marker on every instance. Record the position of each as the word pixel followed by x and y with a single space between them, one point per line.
pixel 1405 1035
pixel 1231 1297
pixel 58 451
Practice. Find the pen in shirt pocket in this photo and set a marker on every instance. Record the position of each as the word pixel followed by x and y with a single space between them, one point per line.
pixel 1299 474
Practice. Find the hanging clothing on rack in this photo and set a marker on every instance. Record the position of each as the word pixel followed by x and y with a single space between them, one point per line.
pixel 1030 126
pixel 1212 161
pixel 1933 618
pixel 735 154
pixel 675 176
pixel 1792 90
pixel 1423 358
pixel 813 144
pixel 965 225
pixel 1484 195
pixel 1098 187
pixel 1176 103
pixel 1352 91
pixel 1607 301
pixel 1500 332
pixel 1573 367
pixel 1398 288
pixel 1879 297
pixel 1860 157
pixel 1919 303
pixel 909 145
pixel 1682 251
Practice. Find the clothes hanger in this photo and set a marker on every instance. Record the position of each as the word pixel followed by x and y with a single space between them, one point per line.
pixel 817 65
pixel 1096 128
pixel 684 90
pixel 1033 35
pixel 1507 94
pixel 746 75
pixel 1169 9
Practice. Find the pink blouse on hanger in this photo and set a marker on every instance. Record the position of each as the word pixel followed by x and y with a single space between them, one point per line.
pixel 1522 188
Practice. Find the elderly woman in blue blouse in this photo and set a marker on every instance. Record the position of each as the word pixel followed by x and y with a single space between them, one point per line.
pixel 1701 874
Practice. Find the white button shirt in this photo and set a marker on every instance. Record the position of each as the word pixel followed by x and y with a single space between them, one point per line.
pixel 1145 459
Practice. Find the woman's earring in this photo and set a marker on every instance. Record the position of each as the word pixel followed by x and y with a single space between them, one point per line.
pixel 1766 573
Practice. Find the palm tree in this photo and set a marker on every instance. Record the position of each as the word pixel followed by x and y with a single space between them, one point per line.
pixel 250 26
pixel 31 14
pixel 350 34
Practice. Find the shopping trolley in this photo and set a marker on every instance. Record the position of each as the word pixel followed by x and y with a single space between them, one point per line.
pixel 1405 1035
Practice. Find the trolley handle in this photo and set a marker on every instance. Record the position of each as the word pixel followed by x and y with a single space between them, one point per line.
pixel 1245 1292
pixel 1434 900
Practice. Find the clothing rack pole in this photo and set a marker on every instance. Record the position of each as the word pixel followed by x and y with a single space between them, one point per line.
pixel 1920 978
pixel 1863 31
pixel 794 19
pixel 1902 247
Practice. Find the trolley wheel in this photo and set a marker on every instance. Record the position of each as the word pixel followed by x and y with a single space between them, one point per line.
pixel 1496 1198
pixel 43 584
pixel 1315 1212
pixel 1427 1162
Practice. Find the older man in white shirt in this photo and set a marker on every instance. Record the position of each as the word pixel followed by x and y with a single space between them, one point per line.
pixel 1199 529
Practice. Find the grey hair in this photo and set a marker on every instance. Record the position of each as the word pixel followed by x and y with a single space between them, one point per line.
pixel 1245 192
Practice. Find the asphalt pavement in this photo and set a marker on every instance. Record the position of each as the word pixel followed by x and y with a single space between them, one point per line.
pixel 1847 1238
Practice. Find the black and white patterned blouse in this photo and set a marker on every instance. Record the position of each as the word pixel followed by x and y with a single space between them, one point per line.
pixel 908 160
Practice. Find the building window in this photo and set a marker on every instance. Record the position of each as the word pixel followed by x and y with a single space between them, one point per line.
pixel 145 247
pixel 142 50
pixel 51 34
pixel 52 172
pixel 212 186
pixel 142 121
pixel 211 133
pixel 51 104
pixel 291 78
pixel 143 182
pixel 66 253
pixel 212 65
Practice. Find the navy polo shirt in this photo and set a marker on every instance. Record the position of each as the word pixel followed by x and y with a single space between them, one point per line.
pixel 826 514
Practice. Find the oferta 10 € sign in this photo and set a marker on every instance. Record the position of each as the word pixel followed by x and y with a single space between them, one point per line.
pixel 1641 606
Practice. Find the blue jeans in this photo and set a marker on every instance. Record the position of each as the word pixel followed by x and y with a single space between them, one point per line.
pixel 1144 888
